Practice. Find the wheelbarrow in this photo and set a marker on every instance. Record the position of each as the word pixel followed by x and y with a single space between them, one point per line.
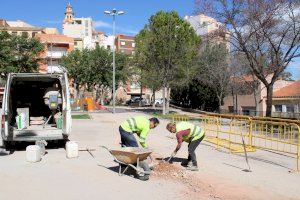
pixel 132 157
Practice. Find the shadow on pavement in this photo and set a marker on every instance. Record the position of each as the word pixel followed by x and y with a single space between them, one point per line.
pixel 130 172
pixel 21 146
pixel 175 160
pixel 150 110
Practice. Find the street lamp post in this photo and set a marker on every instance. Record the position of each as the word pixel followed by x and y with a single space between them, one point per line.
pixel 114 13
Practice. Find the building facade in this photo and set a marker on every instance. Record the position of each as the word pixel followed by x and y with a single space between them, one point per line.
pixel 20 28
pixel 56 46
pixel 82 30
pixel 210 30
pixel 245 101
pixel 286 101
pixel 125 44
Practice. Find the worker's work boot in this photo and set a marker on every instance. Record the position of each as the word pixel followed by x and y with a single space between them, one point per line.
pixel 193 168
pixel 187 163
pixel 190 164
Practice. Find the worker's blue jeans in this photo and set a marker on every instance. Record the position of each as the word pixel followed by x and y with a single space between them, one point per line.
pixel 191 149
pixel 127 138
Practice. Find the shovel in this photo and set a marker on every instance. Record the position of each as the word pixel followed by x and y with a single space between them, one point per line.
pixel 172 156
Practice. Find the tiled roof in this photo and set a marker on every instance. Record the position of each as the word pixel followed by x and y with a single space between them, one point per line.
pixel 125 37
pixel 19 23
pixel 54 38
pixel 291 91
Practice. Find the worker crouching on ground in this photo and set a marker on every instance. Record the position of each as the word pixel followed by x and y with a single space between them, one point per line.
pixel 191 134
pixel 139 125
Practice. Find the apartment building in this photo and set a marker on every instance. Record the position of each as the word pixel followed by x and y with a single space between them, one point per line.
pixel 210 30
pixel 56 46
pixel 125 44
pixel 83 31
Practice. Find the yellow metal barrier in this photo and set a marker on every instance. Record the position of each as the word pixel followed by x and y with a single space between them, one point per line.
pixel 178 118
pixel 231 131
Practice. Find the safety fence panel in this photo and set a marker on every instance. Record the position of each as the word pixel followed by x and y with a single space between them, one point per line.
pixel 243 133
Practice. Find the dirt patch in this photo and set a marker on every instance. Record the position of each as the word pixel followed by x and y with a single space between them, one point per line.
pixel 199 186
pixel 193 186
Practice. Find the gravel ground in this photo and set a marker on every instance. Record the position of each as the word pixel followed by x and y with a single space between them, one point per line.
pixel 221 174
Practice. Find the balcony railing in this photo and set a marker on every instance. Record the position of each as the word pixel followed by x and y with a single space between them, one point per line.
pixel 56 54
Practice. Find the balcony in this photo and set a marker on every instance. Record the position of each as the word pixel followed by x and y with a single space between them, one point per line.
pixel 55 54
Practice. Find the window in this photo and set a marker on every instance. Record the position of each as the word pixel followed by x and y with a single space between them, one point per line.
pixel 25 34
pixel 75 43
pixel 14 33
pixel 133 44
pixel 204 23
pixel 108 47
pixel 86 24
pixel 123 43
pixel 33 34
pixel 278 108
pixel 290 108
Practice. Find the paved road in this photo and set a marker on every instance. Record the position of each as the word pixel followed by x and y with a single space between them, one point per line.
pixel 220 175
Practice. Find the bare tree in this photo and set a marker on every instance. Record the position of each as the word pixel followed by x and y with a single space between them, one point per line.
pixel 267 32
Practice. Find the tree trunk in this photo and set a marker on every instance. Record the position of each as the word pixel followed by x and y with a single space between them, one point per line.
pixel 269 100
pixel 236 104
pixel 220 102
pixel 153 98
pixel 256 102
pixel 75 90
pixel 233 101
pixel 168 100
pixel 164 100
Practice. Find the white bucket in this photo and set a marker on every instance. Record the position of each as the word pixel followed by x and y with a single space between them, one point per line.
pixel 33 153
pixel 72 149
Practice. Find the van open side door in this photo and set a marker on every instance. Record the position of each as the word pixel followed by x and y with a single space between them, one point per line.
pixel 67 118
pixel 5 109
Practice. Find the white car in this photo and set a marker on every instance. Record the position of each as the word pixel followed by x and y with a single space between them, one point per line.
pixel 159 102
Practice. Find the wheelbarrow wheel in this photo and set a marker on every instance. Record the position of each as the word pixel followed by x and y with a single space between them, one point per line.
pixel 144 165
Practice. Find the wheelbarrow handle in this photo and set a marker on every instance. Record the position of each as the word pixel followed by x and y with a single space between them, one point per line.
pixel 104 147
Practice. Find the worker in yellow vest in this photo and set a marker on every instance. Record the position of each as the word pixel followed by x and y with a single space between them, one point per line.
pixel 191 134
pixel 139 125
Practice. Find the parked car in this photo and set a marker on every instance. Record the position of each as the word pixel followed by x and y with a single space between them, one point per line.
pixel 28 91
pixel 159 102
pixel 137 101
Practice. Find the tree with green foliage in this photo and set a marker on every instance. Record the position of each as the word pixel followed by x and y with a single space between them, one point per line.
pixel 213 69
pixel 165 48
pixel 197 95
pixel 93 68
pixel 146 72
pixel 18 54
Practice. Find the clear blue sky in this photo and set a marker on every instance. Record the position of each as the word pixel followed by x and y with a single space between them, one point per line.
pixel 51 13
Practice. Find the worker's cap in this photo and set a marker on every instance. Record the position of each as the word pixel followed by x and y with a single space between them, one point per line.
pixel 154 120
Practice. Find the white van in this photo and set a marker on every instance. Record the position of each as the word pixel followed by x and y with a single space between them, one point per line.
pixel 27 91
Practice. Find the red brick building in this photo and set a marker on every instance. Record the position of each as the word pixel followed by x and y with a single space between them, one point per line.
pixel 125 44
